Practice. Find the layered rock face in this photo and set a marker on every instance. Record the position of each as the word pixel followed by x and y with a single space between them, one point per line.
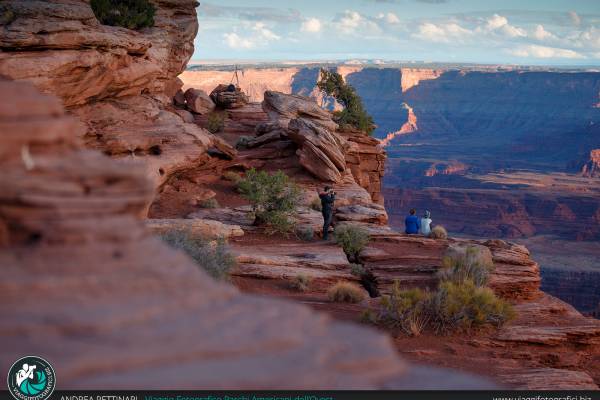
pixel 115 308
pixel 579 288
pixel 322 150
pixel 366 159
pixel 118 81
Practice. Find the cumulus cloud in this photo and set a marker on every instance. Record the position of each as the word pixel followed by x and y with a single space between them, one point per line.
pixel 588 38
pixel 258 36
pixel 265 33
pixel 352 22
pixel 499 23
pixel 389 18
pixel 441 33
pixel 311 25
pixel 237 42
pixel 540 33
pixel 535 51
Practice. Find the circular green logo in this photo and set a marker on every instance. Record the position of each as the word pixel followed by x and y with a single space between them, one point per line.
pixel 31 378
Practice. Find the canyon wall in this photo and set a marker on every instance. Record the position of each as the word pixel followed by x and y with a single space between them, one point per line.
pixel 500 213
pixel 444 130
pixel 507 112
pixel 120 82
pixel 578 288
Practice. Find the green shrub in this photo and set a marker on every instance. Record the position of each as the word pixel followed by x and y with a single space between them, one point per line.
pixel 305 233
pixel 354 113
pixel 467 306
pixel 406 309
pixel 232 176
pixel 209 203
pixel 273 198
pixel 301 283
pixel 473 263
pixel 277 222
pixel 438 232
pixel 352 238
pixel 453 306
pixel 345 292
pixel 215 121
pixel 213 257
pixel 316 205
pixel 131 14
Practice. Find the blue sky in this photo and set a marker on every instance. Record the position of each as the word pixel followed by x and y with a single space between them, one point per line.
pixel 552 32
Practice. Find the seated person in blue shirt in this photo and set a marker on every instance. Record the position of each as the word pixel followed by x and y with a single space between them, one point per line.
pixel 413 223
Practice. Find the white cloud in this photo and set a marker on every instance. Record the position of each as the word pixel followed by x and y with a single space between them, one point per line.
pixel 389 18
pixel 496 21
pixel 264 32
pixel 235 41
pixel 258 36
pixel 535 51
pixel 441 33
pixel 589 38
pixel 541 34
pixel 352 22
pixel 311 25
pixel 499 23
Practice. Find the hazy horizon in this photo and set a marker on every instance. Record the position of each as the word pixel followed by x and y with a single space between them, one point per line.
pixel 380 62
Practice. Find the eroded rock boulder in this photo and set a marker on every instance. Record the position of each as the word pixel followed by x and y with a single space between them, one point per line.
pixel 320 151
pixel 228 96
pixel 285 107
pixel 198 101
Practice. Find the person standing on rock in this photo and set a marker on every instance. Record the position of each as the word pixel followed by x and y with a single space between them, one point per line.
pixel 413 223
pixel 327 198
pixel 425 228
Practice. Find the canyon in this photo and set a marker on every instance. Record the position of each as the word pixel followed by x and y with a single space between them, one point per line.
pixel 490 151
pixel 445 130
pixel 102 151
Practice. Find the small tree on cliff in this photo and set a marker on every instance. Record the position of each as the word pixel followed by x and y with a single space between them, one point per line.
pixel 354 113
pixel 274 198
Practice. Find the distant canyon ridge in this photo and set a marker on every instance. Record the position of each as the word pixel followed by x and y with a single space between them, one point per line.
pixel 489 151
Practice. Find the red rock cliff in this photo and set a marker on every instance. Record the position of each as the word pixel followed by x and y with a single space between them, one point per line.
pixel 118 81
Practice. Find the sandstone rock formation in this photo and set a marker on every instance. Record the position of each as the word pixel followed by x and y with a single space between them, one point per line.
pixel 320 151
pixel 118 81
pixel 228 96
pixel 365 157
pixel 107 294
pixel 285 107
pixel 198 101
